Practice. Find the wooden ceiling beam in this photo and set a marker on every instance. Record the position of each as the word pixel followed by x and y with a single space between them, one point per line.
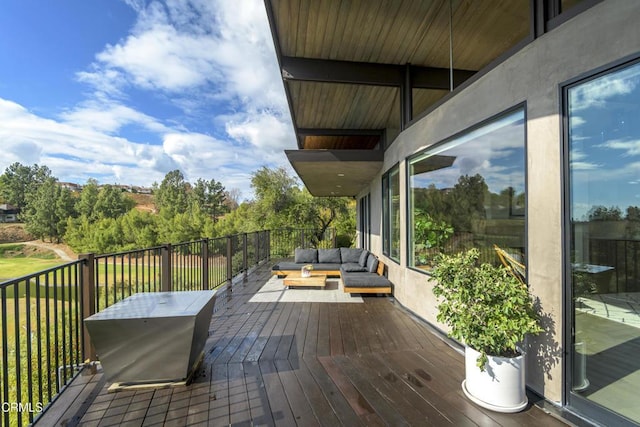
pixel 367 73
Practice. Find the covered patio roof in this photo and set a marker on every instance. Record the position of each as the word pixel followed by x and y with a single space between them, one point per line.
pixel 356 73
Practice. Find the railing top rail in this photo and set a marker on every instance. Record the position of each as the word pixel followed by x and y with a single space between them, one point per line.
pixel 129 252
pixel 30 276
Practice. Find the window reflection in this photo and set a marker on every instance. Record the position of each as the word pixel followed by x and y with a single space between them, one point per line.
pixel 604 165
pixel 470 192
pixel 391 214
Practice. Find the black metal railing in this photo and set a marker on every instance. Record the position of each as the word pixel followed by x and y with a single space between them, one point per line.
pixel 41 339
pixel 44 342
pixel 622 256
pixel 285 241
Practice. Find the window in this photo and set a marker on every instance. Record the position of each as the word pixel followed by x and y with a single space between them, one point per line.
pixel 365 222
pixel 469 192
pixel 391 214
pixel 604 243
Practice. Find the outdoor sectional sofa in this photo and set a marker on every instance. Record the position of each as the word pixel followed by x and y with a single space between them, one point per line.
pixel 359 270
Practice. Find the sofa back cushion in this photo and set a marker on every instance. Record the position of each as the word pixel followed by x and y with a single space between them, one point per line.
pixel 329 255
pixel 306 255
pixel 372 263
pixel 350 254
pixel 363 258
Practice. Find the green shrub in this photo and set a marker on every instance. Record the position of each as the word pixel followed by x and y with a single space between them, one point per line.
pixel 485 306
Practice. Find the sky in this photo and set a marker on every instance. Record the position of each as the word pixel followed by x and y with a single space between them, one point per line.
pixel 125 91
pixel 496 151
pixel 604 137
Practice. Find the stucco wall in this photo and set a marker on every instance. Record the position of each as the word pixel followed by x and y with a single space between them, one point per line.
pixel 602 35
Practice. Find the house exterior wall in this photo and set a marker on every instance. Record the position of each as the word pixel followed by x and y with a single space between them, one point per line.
pixel 8 217
pixel 600 36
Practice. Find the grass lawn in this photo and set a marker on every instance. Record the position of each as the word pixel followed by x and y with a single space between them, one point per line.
pixel 11 268
pixel 17 260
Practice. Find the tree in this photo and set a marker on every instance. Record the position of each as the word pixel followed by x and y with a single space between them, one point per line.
pixel 633 213
pixel 79 234
pixel 467 201
pixel 112 203
pixel 88 198
pixel 232 199
pixel 319 213
pixel 65 208
pixel 276 193
pixel 603 213
pixel 171 196
pixel 184 226
pixel 210 197
pixel 42 216
pixel 19 183
pixel 237 221
pixel 280 203
pixel 140 229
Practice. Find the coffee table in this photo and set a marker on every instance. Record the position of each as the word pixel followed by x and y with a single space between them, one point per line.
pixel 315 280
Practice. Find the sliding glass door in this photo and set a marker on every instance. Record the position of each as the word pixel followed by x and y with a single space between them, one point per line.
pixel 604 244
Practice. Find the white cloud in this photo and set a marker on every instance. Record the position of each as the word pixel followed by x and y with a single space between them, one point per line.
pixel 630 147
pixel 109 117
pixel 185 45
pixel 263 131
pixel 576 121
pixel 597 92
pixel 106 82
pixel 25 152
pixel 584 166
pixel 162 58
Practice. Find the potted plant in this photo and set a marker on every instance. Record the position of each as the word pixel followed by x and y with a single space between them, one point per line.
pixel 489 310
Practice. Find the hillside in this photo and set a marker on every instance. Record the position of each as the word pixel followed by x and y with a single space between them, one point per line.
pixel 144 202
pixel 10 233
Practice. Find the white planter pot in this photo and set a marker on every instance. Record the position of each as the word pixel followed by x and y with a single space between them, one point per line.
pixel 501 387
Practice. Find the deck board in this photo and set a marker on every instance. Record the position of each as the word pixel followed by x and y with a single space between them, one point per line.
pixel 403 396
pixel 219 395
pixel 311 363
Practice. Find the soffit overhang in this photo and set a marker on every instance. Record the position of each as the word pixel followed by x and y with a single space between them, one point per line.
pixel 336 173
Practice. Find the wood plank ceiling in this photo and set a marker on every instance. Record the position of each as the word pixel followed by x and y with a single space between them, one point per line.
pixel 383 37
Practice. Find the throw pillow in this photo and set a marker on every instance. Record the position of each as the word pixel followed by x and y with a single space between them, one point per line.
pixel 363 258
pixel 372 263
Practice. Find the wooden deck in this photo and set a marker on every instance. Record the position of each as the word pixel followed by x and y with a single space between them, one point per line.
pixel 304 364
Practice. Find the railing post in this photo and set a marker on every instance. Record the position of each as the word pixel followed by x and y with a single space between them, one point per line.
pixel 257 246
pixel 88 303
pixel 229 263
pixel 165 260
pixel 204 265
pixel 268 232
pixel 245 257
